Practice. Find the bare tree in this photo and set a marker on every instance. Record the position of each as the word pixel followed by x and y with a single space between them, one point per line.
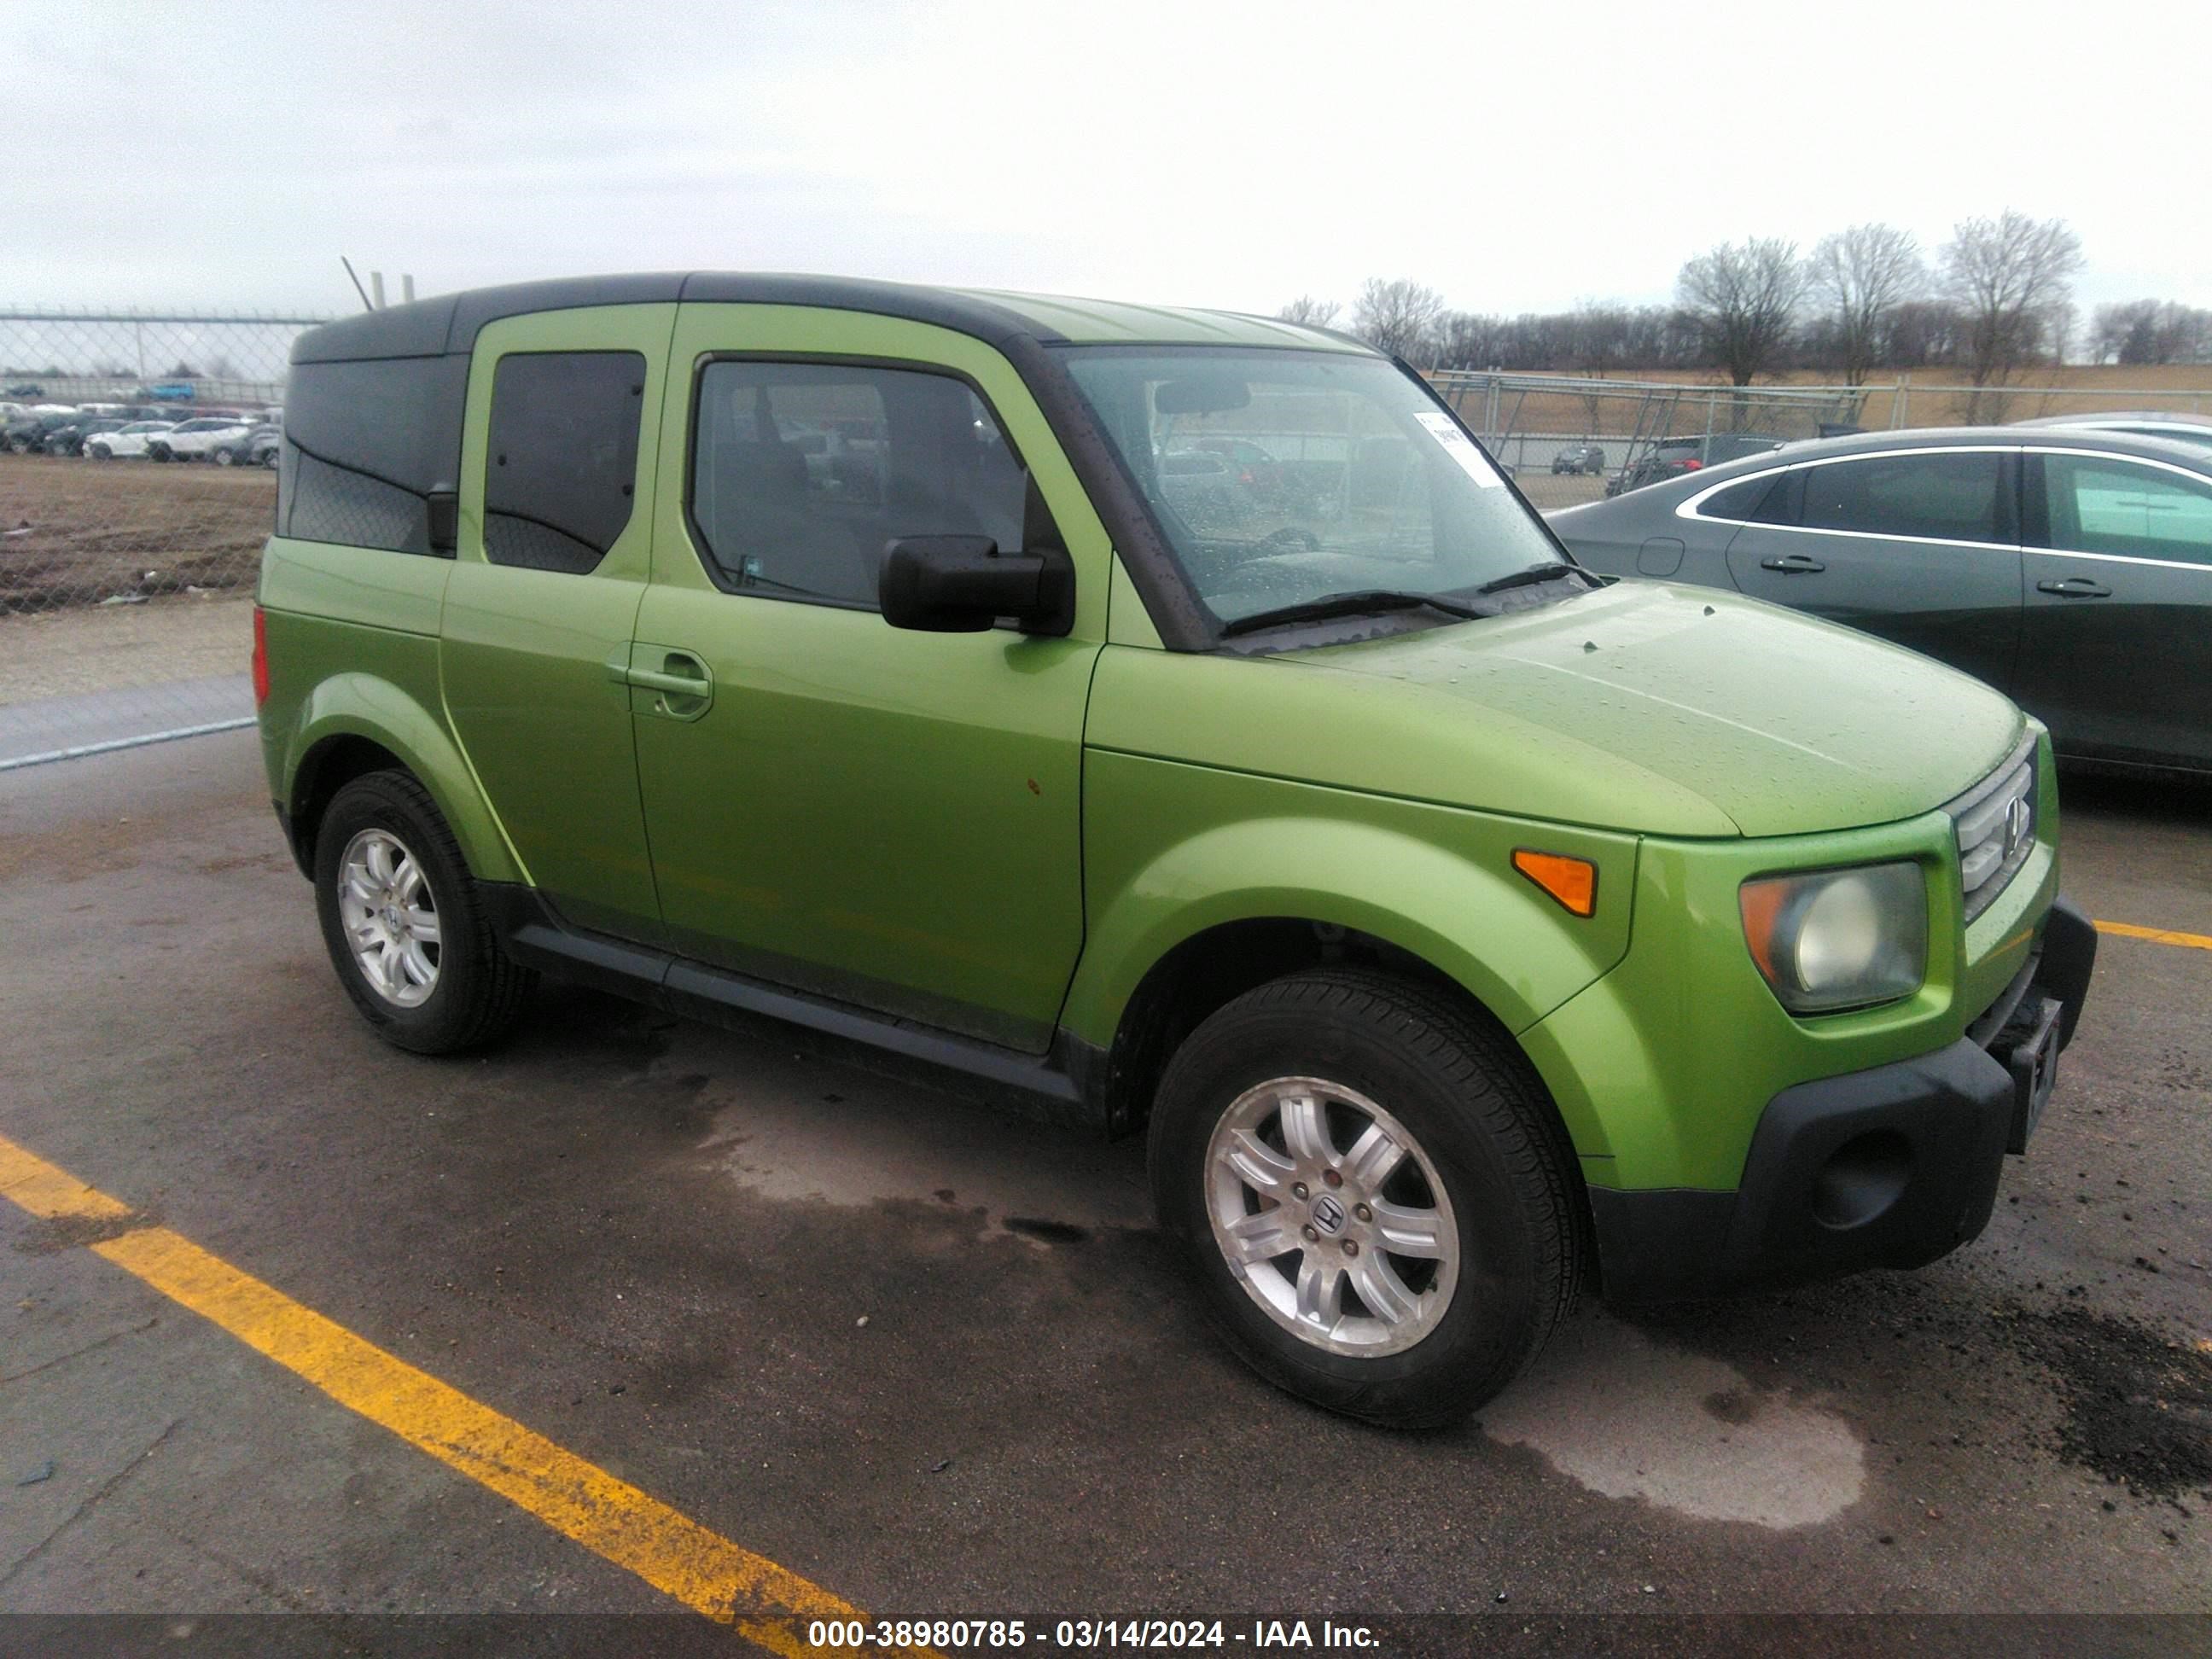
pixel 1398 318
pixel 1465 339
pixel 2150 332
pixel 1862 276
pixel 1922 333
pixel 1314 313
pixel 1743 300
pixel 2009 276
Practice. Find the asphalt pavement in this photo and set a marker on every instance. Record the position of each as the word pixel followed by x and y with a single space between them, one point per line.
pixel 936 1361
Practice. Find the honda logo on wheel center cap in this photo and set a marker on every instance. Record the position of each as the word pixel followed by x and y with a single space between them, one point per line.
pixel 1329 1215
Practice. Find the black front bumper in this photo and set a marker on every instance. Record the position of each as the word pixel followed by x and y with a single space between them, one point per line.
pixel 1890 1167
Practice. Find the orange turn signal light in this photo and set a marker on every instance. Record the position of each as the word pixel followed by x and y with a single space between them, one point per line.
pixel 1572 882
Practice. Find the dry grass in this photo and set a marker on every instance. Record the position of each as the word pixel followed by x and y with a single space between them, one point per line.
pixel 76 531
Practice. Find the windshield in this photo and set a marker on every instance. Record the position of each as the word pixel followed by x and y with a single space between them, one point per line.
pixel 1281 478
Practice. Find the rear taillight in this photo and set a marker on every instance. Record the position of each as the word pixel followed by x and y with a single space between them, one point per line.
pixel 1691 464
pixel 260 658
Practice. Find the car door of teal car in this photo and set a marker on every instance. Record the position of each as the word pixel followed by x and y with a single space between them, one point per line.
pixel 885 816
pixel 2117 652
pixel 1919 546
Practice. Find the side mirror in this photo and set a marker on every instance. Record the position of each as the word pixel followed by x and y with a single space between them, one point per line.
pixel 964 584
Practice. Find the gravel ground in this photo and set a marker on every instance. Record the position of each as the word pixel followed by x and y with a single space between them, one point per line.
pixel 76 651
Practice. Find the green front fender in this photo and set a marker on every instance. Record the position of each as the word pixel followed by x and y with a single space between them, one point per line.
pixel 365 706
pixel 1173 851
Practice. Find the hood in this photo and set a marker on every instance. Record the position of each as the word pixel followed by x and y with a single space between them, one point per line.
pixel 1642 707
pixel 1780 723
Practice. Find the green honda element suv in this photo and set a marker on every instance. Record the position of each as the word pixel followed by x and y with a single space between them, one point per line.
pixel 1176 720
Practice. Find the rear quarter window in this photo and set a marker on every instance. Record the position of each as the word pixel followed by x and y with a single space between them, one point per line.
pixel 1741 502
pixel 365 442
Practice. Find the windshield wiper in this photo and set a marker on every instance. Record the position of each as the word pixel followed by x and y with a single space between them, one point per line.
pixel 1534 573
pixel 1349 605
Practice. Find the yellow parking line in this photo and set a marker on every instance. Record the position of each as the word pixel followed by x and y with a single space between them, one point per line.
pixel 2156 935
pixel 670 1552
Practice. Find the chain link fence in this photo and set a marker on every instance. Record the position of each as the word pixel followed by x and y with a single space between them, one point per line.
pixel 1568 440
pixel 136 451
pixel 1905 402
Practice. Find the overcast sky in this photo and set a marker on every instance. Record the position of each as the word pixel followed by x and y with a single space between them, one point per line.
pixel 209 154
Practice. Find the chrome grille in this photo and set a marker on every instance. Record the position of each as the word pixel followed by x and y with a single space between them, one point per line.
pixel 1995 825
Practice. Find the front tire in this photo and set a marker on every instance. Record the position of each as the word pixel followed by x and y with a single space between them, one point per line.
pixel 1378 1200
pixel 401 919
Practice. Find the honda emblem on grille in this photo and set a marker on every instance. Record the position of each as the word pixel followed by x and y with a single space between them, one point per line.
pixel 2019 821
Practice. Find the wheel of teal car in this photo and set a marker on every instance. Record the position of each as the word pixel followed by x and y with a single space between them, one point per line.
pixel 1375 1193
pixel 401 918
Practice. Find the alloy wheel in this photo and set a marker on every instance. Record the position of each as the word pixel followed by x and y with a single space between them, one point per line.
pixel 390 917
pixel 1332 1216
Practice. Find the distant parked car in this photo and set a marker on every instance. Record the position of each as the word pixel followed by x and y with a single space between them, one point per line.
pixel 195 439
pixel 1670 458
pixel 1202 488
pixel 26 389
pixel 256 446
pixel 1255 468
pixel 129 440
pixel 2070 569
pixel 2142 423
pixel 28 434
pixel 70 439
pixel 1579 458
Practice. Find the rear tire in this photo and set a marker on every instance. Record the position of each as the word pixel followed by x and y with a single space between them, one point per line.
pixel 1451 1272
pixel 400 916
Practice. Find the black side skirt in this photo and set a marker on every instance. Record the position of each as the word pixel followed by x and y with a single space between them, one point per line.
pixel 1065 1083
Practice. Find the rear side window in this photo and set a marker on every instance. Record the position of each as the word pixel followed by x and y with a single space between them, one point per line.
pixel 365 442
pixel 802 473
pixel 560 467
pixel 1954 497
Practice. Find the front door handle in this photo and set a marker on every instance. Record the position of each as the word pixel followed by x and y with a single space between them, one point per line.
pixel 2075 587
pixel 676 686
pixel 1793 564
pixel 683 684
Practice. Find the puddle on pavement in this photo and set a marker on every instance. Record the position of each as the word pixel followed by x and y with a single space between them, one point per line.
pixel 1051 1187
pixel 1629 1417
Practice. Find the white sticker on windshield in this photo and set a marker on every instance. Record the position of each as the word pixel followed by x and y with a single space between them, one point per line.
pixel 1456 444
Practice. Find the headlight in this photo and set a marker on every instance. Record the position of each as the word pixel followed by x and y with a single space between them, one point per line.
pixel 1842 939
